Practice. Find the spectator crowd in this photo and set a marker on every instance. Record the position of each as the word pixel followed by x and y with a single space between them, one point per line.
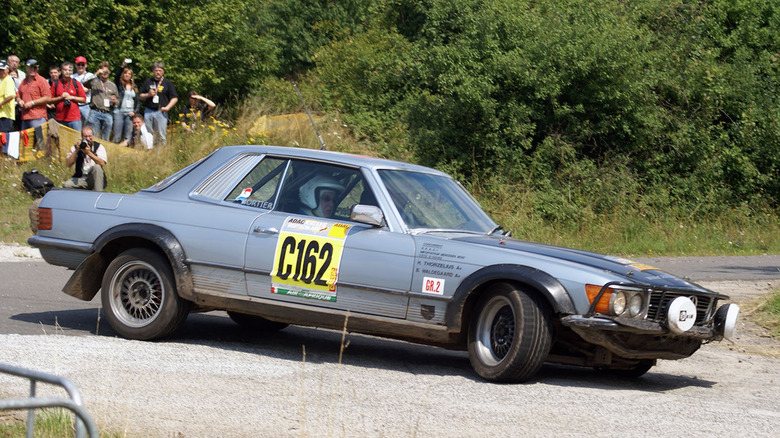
pixel 114 107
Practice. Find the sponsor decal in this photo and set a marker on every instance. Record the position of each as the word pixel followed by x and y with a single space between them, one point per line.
pixel 246 193
pixel 307 258
pixel 643 267
pixel 632 264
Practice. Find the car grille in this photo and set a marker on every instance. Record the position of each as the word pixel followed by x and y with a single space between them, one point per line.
pixel 659 302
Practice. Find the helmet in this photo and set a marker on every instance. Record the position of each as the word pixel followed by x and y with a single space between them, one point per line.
pixel 309 192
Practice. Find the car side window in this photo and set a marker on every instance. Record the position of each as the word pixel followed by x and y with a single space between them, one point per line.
pixel 258 187
pixel 322 190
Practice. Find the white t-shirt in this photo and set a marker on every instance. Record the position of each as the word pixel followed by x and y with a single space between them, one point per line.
pixel 86 77
pixel 18 80
pixel 89 162
pixel 146 138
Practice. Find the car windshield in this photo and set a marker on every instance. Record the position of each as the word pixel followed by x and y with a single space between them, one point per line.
pixel 428 202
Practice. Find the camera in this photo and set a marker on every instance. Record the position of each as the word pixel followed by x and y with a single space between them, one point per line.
pixel 84 144
pixel 128 61
pixel 66 103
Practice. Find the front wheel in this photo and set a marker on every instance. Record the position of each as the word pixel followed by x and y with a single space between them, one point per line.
pixel 139 296
pixel 510 334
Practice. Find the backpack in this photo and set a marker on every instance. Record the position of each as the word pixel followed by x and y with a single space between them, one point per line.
pixel 36 183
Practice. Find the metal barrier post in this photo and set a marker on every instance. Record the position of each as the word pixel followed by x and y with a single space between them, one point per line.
pixel 31 412
pixel 83 420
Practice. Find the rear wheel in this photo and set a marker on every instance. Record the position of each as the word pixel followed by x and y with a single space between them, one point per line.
pixel 510 335
pixel 139 296
pixel 256 323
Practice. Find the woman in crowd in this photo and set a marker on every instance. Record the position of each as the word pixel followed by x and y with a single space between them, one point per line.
pixel 128 105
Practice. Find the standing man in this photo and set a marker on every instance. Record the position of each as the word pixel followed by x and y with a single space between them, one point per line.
pixel 67 94
pixel 54 76
pixel 89 157
pixel 104 99
pixel 32 97
pixel 160 96
pixel 13 70
pixel 83 76
pixel 7 99
pixel 18 77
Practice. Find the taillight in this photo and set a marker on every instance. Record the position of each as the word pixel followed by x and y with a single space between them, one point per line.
pixel 44 218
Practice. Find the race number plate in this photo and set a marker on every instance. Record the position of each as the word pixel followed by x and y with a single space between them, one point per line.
pixel 307 258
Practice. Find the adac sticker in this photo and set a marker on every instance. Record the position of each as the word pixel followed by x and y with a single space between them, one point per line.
pixel 307 258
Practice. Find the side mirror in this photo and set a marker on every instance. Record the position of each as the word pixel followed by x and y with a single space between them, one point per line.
pixel 367 214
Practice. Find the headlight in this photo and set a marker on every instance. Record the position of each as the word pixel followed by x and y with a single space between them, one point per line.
pixel 618 300
pixel 635 306
pixel 618 303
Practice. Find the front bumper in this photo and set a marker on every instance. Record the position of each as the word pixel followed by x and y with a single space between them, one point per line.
pixel 646 339
pixel 641 327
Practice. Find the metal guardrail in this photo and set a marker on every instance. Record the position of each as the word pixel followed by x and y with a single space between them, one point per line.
pixel 83 420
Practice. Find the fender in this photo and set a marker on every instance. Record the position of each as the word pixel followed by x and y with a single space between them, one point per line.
pixel 552 290
pixel 87 279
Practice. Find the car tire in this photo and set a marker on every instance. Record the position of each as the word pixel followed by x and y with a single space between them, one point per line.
pixel 139 296
pixel 256 323
pixel 510 334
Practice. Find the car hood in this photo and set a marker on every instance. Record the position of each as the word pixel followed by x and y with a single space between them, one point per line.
pixel 629 270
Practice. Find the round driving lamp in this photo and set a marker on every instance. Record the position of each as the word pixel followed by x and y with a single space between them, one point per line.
pixel 635 305
pixel 619 303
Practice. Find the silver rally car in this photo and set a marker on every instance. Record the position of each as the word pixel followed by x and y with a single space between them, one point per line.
pixel 278 236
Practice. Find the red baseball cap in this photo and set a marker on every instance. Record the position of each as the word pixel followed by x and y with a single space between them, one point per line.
pixel 80 59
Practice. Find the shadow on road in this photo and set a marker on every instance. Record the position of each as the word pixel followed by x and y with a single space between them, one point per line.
pixel 653 381
pixel 73 322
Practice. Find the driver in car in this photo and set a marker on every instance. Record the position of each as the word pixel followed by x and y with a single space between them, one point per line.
pixel 319 196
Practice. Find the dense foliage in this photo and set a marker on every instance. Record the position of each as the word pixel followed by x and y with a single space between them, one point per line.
pixel 584 106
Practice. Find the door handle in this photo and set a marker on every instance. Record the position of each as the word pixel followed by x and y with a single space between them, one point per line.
pixel 266 231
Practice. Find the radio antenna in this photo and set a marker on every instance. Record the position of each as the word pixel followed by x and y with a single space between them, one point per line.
pixel 319 137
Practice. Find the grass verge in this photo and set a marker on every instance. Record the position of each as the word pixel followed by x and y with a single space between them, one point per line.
pixel 767 314
pixel 49 423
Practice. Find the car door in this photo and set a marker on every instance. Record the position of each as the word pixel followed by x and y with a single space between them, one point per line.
pixel 294 256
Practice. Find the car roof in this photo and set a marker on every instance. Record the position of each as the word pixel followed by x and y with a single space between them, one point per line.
pixel 330 156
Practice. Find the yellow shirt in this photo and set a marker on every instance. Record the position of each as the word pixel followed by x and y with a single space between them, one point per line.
pixel 8 88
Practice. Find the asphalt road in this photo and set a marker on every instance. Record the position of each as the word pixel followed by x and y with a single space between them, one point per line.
pixel 213 379
pixel 765 267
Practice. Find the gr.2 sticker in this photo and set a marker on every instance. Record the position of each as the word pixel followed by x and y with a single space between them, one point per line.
pixel 433 285
pixel 307 258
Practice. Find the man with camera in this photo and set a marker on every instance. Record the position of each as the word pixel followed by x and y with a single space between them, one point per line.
pixel 83 76
pixel 89 157
pixel 104 99
pixel 67 93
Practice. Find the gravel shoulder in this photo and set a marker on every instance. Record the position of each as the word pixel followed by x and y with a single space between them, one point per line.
pixel 224 382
